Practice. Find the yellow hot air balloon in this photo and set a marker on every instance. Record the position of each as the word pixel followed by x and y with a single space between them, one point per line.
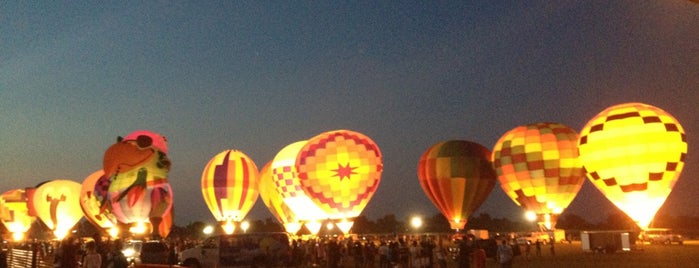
pixel 457 176
pixel 57 204
pixel 14 213
pixel 288 185
pixel 92 205
pixel 340 171
pixel 539 169
pixel 634 154
pixel 274 202
pixel 229 185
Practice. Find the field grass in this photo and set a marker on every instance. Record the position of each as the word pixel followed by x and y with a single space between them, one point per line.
pixel 571 255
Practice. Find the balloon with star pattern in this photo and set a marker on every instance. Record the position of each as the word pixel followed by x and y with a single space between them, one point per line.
pixel 340 171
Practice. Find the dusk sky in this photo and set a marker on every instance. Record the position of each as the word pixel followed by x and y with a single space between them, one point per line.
pixel 256 76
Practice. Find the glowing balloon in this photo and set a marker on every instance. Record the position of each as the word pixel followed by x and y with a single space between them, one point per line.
pixel 457 176
pixel 288 185
pixel 274 202
pixel 14 213
pixel 539 169
pixel 634 154
pixel 340 171
pixel 57 204
pixel 229 185
pixel 139 192
pixel 91 204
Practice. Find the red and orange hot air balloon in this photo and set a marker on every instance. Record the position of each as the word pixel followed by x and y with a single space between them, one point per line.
pixel 229 185
pixel 538 168
pixel 634 154
pixel 14 213
pixel 340 171
pixel 137 167
pixel 457 176
pixel 57 205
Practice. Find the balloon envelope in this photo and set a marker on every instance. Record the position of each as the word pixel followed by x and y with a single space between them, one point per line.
pixel 229 185
pixel 288 185
pixel 634 154
pixel 539 169
pixel 91 204
pixel 274 202
pixel 14 212
pixel 57 205
pixel 457 176
pixel 340 171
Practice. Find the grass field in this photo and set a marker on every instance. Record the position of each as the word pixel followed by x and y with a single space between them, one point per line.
pixel 571 255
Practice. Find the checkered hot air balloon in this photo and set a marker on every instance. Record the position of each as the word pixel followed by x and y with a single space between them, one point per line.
pixel 340 171
pixel 229 185
pixel 288 186
pixel 634 154
pixel 538 168
pixel 457 176
pixel 14 213
pixel 274 201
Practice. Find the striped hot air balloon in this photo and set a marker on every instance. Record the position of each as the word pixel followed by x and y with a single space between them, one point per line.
pixel 229 185
pixel 340 171
pixel 538 168
pixel 14 213
pixel 634 154
pixel 457 176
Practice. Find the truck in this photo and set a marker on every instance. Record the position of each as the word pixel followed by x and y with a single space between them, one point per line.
pixel 239 250
pixel 607 241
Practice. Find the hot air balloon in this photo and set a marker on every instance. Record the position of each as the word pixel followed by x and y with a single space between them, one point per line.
pixel 57 204
pixel 634 154
pixel 340 171
pixel 539 169
pixel 229 185
pixel 274 202
pixel 91 204
pixel 139 192
pixel 14 213
pixel 288 186
pixel 457 176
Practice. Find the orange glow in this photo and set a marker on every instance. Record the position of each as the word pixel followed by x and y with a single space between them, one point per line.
pixel 634 154
pixel 14 213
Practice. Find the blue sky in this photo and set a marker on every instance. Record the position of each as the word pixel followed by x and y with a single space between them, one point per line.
pixel 256 76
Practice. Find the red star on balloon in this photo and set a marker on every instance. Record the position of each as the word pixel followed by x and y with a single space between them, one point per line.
pixel 344 171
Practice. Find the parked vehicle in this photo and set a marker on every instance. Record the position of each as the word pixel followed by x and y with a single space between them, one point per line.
pixel 146 252
pixel 239 250
pixel 661 236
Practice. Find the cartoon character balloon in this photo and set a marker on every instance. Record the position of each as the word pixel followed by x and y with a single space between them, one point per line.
pixel 340 171
pixel 14 213
pixel 229 185
pixel 92 205
pixel 288 186
pixel 457 176
pixel 539 169
pixel 634 154
pixel 137 166
pixel 57 204
pixel 274 202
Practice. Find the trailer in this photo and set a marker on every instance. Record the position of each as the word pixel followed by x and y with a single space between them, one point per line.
pixel 607 241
